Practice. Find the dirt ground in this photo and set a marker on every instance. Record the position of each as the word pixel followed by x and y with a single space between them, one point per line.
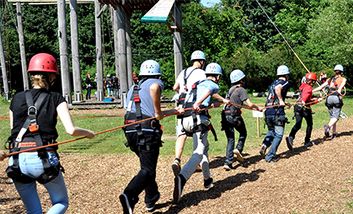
pixel 314 180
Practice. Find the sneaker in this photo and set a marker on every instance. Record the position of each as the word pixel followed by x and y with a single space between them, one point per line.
pixel 179 182
pixel 334 135
pixel 289 141
pixel 273 160
pixel 150 207
pixel 208 183
pixel 308 144
pixel 263 150
pixel 238 155
pixel 327 131
pixel 176 167
pixel 126 204
pixel 227 166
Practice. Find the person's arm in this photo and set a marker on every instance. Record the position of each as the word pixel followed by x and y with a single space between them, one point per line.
pixel 220 98
pixel 65 117
pixel 321 86
pixel 176 87
pixel 155 92
pixel 251 105
pixel 278 90
pixel 198 102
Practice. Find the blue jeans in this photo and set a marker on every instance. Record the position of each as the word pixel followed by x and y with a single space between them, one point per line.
pixel 274 135
pixel 229 131
pixel 32 165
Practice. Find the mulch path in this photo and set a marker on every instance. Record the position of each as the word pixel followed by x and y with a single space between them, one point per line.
pixel 314 180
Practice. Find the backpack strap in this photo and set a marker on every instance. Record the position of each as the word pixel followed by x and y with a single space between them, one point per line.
pixel 187 77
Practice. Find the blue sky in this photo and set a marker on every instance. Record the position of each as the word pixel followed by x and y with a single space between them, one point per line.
pixel 209 3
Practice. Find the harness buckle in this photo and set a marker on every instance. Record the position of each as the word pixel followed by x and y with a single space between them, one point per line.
pixel 137 99
pixel 32 110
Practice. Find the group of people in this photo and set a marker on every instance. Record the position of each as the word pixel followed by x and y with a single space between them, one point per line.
pixel 110 85
pixel 33 124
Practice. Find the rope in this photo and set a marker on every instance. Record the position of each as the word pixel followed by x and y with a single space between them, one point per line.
pixel 280 33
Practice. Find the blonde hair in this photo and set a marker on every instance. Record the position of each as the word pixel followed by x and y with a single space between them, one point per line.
pixel 39 80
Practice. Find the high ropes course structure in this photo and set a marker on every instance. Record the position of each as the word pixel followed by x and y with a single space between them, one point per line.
pixel 159 11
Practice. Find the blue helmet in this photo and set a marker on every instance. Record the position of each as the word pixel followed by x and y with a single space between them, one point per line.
pixel 213 68
pixel 150 68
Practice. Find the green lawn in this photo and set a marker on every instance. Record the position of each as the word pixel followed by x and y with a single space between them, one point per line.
pixel 113 142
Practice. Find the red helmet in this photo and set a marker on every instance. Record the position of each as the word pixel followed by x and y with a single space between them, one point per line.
pixel 311 76
pixel 42 62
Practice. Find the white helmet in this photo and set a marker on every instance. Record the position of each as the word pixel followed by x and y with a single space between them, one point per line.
pixel 198 55
pixel 213 68
pixel 236 76
pixel 150 68
pixel 282 70
pixel 338 68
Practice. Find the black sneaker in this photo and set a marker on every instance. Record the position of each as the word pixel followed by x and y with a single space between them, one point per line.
pixel 150 207
pixel 208 183
pixel 126 203
pixel 176 167
pixel 289 141
pixel 179 182
pixel 263 150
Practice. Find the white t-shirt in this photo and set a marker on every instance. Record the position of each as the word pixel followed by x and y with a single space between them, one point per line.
pixel 193 75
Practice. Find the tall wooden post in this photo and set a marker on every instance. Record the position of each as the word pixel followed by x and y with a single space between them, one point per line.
pixel 128 49
pixel 74 52
pixel 99 54
pixel 116 49
pixel 178 51
pixel 64 67
pixel 121 18
pixel 3 68
pixel 22 46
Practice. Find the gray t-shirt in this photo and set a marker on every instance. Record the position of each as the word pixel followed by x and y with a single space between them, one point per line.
pixel 238 95
pixel 146 99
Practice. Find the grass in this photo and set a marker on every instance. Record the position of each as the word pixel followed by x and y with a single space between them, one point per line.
pixel 113 142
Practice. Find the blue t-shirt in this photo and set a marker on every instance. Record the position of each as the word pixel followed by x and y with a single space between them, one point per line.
pixel 147 108
pixel 273 100
pixel 204 87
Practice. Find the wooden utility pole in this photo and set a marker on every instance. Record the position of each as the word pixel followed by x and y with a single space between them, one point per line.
pixel 121 18
pixel 64 67
pixel 128 50
pixel 99 54
pixel 22 46
pixel 3 68
pixel 76 72
pixel 116 49
pixel 178 51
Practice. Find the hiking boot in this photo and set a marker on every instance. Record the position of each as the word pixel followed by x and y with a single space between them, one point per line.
pixel 150 207
pixel 208 183
pixel 289 141
pixel 227 166
pixel 176 167
pixel 327 131
pixel 126 203
pixel 238 155
pixel 179 182
pixel 263 150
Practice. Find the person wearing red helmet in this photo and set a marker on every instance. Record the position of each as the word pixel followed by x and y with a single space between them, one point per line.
pixel 302 110
pixel 33 118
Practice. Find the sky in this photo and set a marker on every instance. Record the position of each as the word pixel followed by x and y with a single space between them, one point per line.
pixel 209 3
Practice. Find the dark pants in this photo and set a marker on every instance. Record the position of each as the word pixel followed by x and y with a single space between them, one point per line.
pixel 300 113
pixel 146 177
pixel 88 95
pixel 229 131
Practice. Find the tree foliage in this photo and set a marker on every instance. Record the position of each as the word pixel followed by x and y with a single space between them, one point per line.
pixel 235 33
